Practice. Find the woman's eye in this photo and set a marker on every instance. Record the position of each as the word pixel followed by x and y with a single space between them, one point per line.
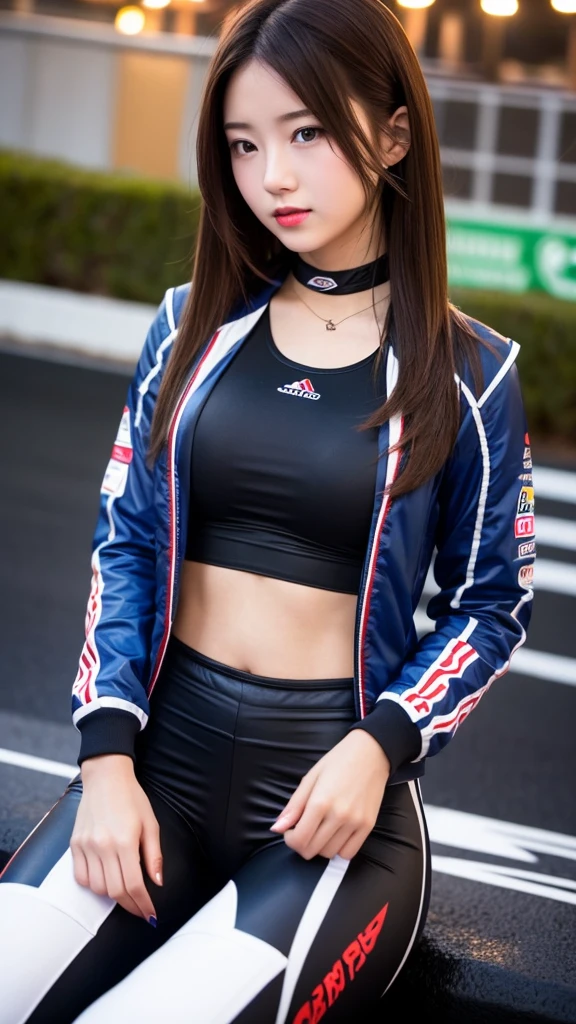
pixel 311 128
pixel 239 142
pixel 244 142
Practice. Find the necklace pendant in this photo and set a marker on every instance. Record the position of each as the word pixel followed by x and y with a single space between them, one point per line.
pixel 330 326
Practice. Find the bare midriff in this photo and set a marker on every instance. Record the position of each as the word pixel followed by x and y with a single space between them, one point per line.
pixel 264 625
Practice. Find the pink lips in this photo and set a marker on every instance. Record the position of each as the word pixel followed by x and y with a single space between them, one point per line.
pixel 288 220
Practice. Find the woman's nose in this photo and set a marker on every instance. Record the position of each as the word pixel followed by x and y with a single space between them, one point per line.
pixel 279 173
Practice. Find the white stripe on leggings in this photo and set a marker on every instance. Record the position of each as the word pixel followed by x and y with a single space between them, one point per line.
pixel 316 910
pixel 414 787
pixel 43 929
pixel 206 973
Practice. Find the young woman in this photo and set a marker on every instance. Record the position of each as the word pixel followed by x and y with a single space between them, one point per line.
pixel 308 425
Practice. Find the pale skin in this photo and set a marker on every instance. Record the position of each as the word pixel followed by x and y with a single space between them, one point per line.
pixel 257 623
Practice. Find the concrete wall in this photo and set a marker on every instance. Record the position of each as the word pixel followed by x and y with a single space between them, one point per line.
pixel 83 93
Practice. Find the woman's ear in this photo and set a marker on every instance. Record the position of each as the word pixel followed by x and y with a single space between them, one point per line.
pixel 393 150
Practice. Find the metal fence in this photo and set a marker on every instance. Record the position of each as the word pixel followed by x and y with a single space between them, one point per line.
pixel 507 148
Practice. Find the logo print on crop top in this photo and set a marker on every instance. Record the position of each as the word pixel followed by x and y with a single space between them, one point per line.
pixel 300 388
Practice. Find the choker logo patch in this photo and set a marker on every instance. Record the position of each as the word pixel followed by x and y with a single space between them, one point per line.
pixel 300 388
pixel 323 284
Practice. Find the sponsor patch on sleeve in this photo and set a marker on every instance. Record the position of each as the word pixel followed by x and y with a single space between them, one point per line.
pixel 526 501
pixel 123 437
pixel 115 477
pixel 116 474
pixel 526 576
pixel 527 459
pixel 524 526
pixel 524 522
pixel 526 549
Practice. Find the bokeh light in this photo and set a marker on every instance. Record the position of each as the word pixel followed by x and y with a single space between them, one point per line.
pixel 501 8
pixel 415 3
pixel 564 6
pixel 129 21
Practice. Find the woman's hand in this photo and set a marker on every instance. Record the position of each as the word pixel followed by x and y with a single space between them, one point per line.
pixel 114 820
pixel 336 805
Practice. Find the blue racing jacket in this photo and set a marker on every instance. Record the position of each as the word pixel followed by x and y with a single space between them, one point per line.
pixel 471 525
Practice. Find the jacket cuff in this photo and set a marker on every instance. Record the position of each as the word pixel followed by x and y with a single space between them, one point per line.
pixel 107 731
pixel 394 730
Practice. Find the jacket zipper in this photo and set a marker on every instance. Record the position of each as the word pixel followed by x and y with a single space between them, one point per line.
pixel 368 570
pixel 357 635
pixel 174 517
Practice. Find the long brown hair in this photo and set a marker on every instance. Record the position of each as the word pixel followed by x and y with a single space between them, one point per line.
pixel 328 51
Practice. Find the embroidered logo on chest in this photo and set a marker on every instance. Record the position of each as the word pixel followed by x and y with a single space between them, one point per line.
pixel 300 388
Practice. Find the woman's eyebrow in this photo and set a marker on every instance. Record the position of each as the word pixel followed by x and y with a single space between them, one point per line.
pixel 283 117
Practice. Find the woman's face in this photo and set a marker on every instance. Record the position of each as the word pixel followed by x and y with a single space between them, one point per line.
pixel 281 156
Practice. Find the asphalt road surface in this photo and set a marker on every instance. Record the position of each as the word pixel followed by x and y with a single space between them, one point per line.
pixel 500 798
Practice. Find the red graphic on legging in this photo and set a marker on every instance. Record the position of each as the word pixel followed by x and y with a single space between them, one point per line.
pixel 344 970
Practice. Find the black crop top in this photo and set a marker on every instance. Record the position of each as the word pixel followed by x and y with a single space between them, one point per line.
pixel 281 483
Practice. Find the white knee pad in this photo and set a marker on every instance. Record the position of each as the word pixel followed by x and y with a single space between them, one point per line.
pixel 207 973
pixel 42 930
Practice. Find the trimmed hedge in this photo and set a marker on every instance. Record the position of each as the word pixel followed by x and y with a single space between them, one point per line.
pixel 109 234
pixel 545 329
pixel 132 238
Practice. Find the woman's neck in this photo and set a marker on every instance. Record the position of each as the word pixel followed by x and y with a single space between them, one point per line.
pixel 364 316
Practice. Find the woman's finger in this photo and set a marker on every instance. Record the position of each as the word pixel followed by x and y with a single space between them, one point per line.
pixel 151 849
pixel 80 865
pixel 320 838
pixel 115 884
pixel 296 805
pixel 301 838
pixel 337 842
pixel 134 883
pixel 97 881
pixel 353 844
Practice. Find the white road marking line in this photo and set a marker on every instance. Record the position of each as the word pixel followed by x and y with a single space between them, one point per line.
pixel 38 764
pixel 506 840
pixel 554 668
pixel 531 882
pixel 494 837
pixel 556 533
pixel 556 484
pixel 555 577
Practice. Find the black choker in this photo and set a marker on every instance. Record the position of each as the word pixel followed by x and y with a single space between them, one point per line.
pixel 341 282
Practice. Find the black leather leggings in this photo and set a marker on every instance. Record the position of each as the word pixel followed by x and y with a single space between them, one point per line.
pixel 248 931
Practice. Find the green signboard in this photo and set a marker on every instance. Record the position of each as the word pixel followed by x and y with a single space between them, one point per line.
pixel 511 258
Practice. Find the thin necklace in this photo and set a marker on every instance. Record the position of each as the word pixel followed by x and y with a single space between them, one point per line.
pixel 330 325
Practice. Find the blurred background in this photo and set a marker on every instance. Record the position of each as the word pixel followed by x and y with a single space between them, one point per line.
pixel 98 113
pixel 98 214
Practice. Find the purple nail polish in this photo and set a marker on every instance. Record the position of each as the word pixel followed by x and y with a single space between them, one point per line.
pixel 152 920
